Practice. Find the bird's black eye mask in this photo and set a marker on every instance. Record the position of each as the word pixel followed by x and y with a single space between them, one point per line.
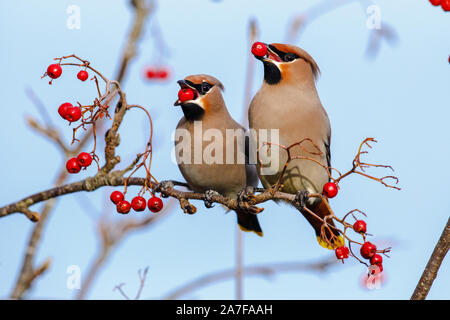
pixel 202 88
pixel 272 75
pixel 284 56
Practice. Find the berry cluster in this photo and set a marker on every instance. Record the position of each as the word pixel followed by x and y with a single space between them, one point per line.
pixel 54 71
pixel 70 113
pixel 156 73
pixel 186 94
pixel 368 250
pixel 138 203
pixel 74 165
pixel 88 115
pixel 331 235
pixel 445 4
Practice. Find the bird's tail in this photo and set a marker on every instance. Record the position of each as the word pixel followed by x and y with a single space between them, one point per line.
pixel 248 222
pixel 330 237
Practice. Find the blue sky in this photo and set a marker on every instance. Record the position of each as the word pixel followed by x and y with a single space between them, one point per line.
pixel 401 98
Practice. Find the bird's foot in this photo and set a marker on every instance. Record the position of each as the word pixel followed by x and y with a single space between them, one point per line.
pixel 246 194
pixel 244 199
pixel 163 187
pixel 300 198
pixel 208 198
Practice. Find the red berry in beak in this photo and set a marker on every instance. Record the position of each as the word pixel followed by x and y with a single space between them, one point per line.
pixel 73 114
pixel 435 2
pixel 368 250
pixel 83 75
pixel 445 4
pixel 186 94
pixel 54 71
pixel 84 159
pixel 72 166
pixel 259 49
pixel 116 197
pixel 330 190
pixel 360 226
pixel 62 110
pixel 123 207
pixel 155 204
pixel 138 204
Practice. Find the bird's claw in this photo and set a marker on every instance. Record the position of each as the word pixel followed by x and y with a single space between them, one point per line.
pixel 246 194
pixel 300 198
pixel 244 199
pixel 209 194
pixel 163 187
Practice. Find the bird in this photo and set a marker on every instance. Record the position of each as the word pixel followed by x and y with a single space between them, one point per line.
pixel 288 101
pixel 229 177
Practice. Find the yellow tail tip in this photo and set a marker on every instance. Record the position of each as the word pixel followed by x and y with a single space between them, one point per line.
pixel 339 242
pixel 259 233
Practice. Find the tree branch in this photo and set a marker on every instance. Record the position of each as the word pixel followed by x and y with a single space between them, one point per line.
pixel 115 178
pixel 111 234
pixel 257 270
pixel 433 265
pixel 25 278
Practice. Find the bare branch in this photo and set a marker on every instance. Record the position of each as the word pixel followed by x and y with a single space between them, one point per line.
pixel 265 270
pixel 24 280
pixel 433 265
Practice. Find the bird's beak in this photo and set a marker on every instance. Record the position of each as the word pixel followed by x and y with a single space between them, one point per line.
pixel 183 85
pixel 270 56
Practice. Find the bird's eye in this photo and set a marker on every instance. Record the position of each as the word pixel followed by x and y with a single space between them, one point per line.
pixel 288 57
pixel 205 87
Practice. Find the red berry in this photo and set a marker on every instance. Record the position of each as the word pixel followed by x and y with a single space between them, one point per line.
pixel 360 226
pixel 54 71
pixel 116 197
pixel 368 250
pixel 186 94
pixel 62 110
pixel 377 270
pixel 155 204
pixel 72 166
pixel 342 252
pixel 83 75
pixel 162 74
pixel 445 4
pixel 435 2
pixel 138 203
pixel 123 207
pixel 84 159
pixel 330 190
pixel 259 49
pixel 376 260
pixel 73 114
pixel 150 73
